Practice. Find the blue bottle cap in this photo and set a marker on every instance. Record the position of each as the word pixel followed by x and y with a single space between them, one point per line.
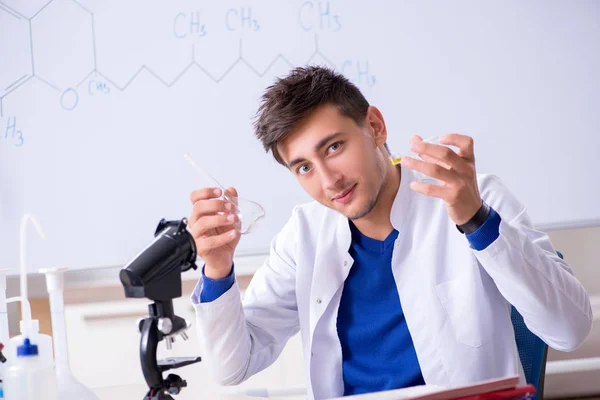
pixel 27 349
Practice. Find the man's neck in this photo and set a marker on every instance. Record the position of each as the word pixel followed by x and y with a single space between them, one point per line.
pixel 377 224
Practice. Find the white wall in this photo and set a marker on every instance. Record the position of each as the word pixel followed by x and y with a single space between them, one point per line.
pixel 580 249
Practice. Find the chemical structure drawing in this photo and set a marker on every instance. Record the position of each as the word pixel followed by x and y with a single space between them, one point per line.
pixel 29 60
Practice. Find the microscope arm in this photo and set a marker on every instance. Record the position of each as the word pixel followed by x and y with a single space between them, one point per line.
pixel 148 346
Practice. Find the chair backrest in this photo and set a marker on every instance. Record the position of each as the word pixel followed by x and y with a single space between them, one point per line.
pixel 532 351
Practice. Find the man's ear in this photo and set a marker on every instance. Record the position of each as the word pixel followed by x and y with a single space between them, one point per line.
pixel 376 125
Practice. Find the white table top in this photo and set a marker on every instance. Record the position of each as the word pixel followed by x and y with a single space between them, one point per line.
pixel 137 392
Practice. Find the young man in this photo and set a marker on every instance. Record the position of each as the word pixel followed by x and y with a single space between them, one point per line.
pixel 391 279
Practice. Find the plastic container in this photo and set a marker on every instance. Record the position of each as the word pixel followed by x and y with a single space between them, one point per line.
pixel 44 342
pixel 2 383
pixel 68 387
pixel 31 375
pixel 396 158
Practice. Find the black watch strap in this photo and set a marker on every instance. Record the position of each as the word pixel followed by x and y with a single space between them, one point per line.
pixel 478 219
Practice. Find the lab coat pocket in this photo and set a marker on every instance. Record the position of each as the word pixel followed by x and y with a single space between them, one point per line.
pixel 464 305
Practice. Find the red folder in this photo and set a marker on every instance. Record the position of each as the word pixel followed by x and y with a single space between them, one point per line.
pixel 505 388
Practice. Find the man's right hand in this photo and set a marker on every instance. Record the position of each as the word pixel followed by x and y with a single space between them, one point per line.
pixel 212 225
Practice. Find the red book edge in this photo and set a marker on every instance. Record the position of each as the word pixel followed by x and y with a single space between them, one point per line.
pixel 488 386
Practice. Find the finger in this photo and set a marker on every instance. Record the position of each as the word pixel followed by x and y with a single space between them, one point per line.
pixel 445 154
pixel 430 169
pixel 214 242
pixel 204 194
pixel 435 161
pixel 232 195
pixel 464 143
pixel 209 207
pixel 230 191
pixel 430 189
pixel 415 138
pixel 208 222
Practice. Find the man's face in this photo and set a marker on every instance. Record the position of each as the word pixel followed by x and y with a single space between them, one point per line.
pixel 337 161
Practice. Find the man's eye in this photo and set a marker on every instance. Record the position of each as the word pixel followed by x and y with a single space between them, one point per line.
pixel 303 169
pixel 334 147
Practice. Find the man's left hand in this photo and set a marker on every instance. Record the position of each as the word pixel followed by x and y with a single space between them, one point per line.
pixel 455 172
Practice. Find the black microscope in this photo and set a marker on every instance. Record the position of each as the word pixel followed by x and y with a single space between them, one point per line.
pixel 155 273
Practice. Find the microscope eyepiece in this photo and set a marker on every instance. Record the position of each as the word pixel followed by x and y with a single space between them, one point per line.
pixel 155 273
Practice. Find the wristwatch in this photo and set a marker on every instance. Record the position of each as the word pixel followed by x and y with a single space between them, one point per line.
pixel 476 221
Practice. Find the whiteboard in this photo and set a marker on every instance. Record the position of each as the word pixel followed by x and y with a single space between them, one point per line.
pixel 99 100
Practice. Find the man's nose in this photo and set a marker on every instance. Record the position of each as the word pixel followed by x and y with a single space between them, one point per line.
pixel 330 179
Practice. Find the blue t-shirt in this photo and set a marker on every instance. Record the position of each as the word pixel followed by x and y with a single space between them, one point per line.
pixel 377 349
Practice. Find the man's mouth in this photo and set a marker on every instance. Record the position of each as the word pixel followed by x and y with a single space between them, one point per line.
pixel 345 196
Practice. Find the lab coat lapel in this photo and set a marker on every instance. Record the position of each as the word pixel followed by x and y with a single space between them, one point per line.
pixel 332 265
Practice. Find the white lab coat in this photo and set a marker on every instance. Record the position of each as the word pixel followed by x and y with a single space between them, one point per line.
pixel 456 300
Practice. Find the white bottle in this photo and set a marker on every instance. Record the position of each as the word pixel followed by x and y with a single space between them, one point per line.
pixel 68 387
pixel 31 330
pixel 2 383
pixel 30 376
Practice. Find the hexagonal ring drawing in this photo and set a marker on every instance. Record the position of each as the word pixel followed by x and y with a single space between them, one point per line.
pixel 63 53
pixel 15 50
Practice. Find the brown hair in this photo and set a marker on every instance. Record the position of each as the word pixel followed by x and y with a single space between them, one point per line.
pixel 293 97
